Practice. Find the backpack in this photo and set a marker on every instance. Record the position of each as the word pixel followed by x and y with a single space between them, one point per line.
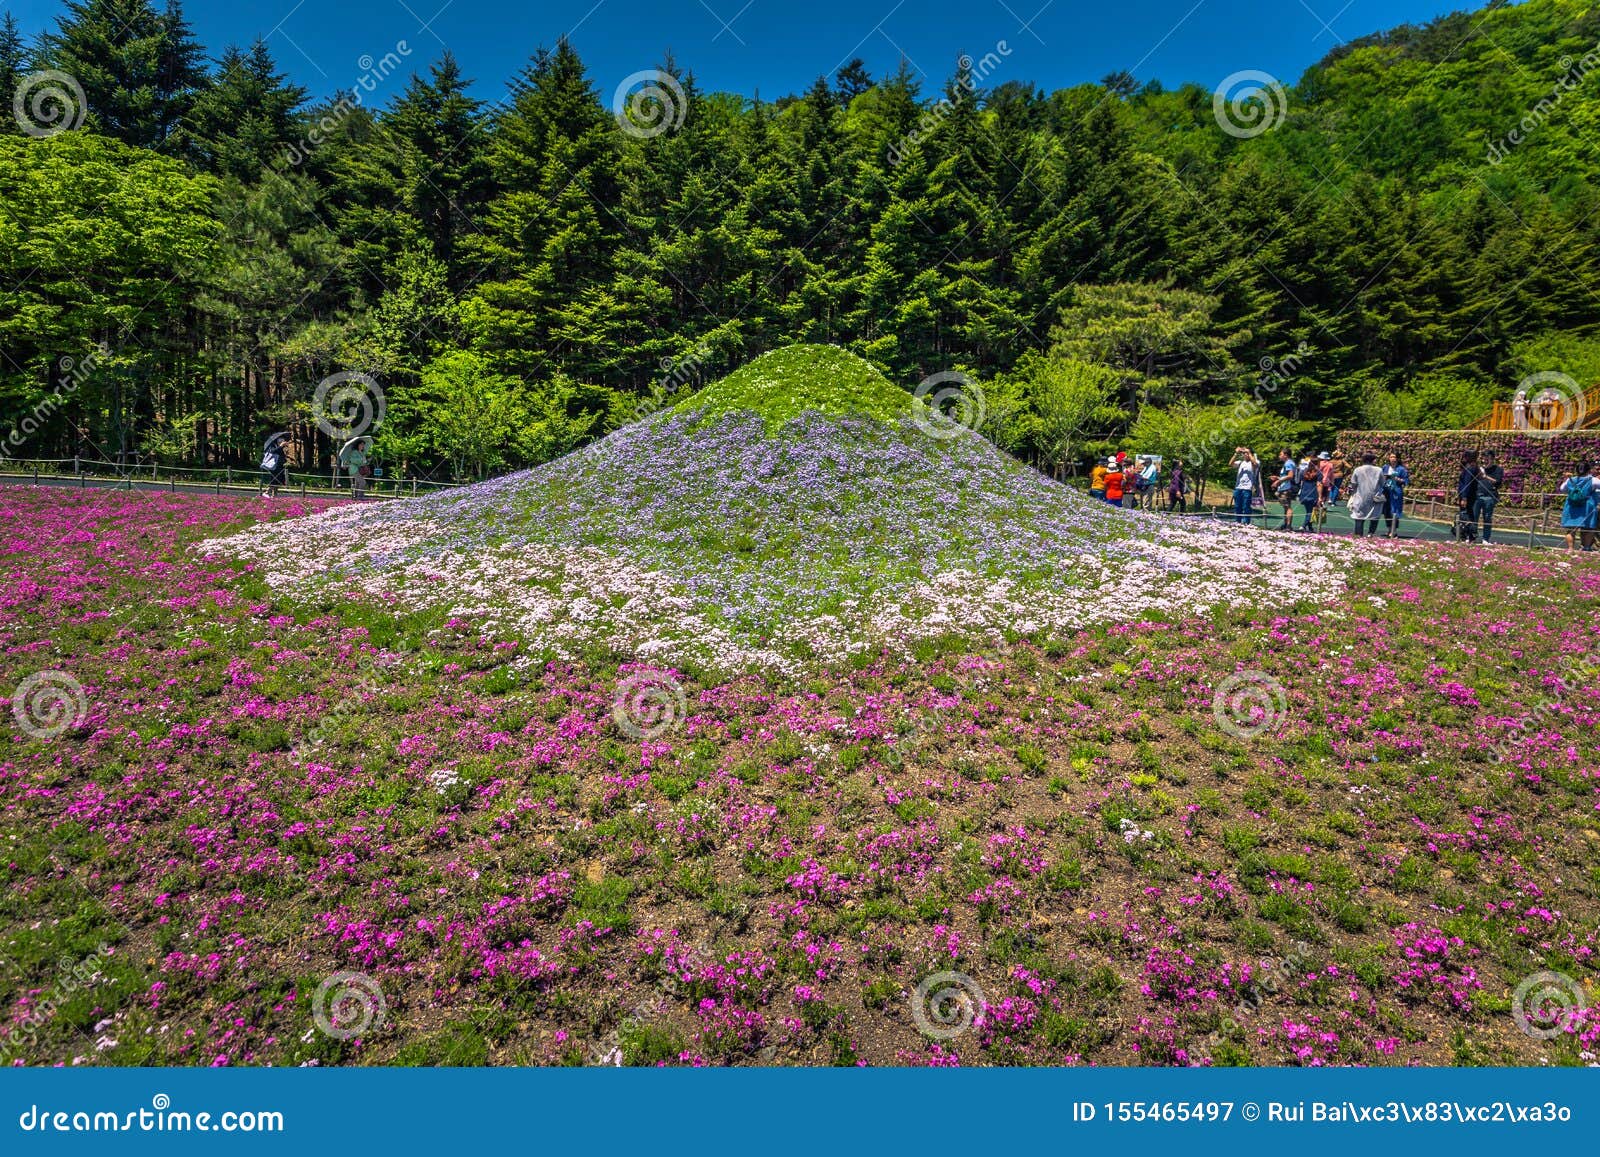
pixel 269 461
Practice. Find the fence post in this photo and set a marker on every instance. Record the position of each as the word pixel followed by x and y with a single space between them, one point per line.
pixel 1530 533
pixel 75 470
pixel 302 488
pixel 230 478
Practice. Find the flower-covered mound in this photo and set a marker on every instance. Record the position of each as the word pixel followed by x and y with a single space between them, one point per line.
pixel 742 530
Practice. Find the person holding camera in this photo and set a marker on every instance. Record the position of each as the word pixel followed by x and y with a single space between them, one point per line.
pixel 1247 472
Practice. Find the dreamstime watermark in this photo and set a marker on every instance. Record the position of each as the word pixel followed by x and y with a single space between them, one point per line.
pixel 75 371
pixel 371 682
pixel 49 703
pixel 948 404
pixel 1249 103
pixel 677 374
pixel 649 103
pixel 159 1118
pixel 48 102
pixel 1274 374
pixel 1578 675
pixel 72 977
pixel 1548 1004
pixel 1267 981
pixel 648 704
pixel 970 75
pixel 348 1005
pixel 1249 703
pixel 947 1004
pixel 373 74
pixel 1548 403
pixel 348 404
pixel 1573 74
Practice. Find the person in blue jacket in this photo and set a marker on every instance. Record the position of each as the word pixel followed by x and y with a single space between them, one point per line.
pixel 1395 480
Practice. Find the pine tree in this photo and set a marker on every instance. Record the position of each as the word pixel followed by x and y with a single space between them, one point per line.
pixel 246 121
pixel 139 69
pixel 552 229
pixel 440 133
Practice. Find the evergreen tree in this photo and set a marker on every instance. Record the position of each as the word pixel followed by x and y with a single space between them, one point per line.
pixel 139 69
pixel 246 121
pixel 444 162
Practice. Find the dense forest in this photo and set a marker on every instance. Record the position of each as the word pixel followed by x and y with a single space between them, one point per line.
pixel 1413 229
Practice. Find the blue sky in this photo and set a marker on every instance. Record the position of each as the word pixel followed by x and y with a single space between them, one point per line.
pixel 779 46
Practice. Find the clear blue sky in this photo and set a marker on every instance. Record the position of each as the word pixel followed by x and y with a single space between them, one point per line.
pixel 779 46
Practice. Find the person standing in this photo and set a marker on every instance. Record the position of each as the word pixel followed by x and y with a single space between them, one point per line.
pixel 1591 540
pixel 1324 478
pixel 1287 484
pixel 1310 493
pixel 1366 496
pixel 1177 489
pixel 1578 511
pixel 1467 497
pixel 1490 478
pixel 360 469
pixel 1395 480
pixel 1097 481
pixel 274 468
pixel 1149 483
pixel 1341 471
pixel 1114 481
pixel 1247 469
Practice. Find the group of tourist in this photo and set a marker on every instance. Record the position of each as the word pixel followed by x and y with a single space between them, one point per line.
pixel 1374 492
pixel 1316 484
pixel 1135 485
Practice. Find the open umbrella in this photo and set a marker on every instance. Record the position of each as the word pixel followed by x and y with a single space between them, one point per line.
pixel 281 435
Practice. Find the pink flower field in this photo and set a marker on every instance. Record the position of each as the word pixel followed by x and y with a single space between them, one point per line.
pixel 249 826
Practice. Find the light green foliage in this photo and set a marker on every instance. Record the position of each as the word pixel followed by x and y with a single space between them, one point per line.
pixel 783 384
pixel 1431 402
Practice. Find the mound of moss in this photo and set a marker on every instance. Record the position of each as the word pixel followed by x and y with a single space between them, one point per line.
pixel 781 385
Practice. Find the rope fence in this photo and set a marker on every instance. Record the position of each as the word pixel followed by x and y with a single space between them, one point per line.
pixel 92 473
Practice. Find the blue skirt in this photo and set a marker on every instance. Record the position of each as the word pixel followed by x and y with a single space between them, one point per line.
pixel 1577 516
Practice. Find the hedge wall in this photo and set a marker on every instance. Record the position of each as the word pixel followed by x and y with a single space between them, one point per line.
pixel 1534 465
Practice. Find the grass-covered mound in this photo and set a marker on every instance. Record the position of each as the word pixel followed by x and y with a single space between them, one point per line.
pixel 795 510
pixel 782 385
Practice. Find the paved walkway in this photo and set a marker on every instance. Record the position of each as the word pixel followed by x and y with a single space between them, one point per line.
pixel 1511 529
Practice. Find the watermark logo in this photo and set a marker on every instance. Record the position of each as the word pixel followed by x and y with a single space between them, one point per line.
pixel 648 704
pixel 373 74
pixel 947 1004
pixel 1548 402
pixel 1249 703
pixel 349 1004
pixel 49 703
pixel 649 103
pixel 1548 1004
pixel 948 404
pixel 970 75
pixel 348 404
pixel 1573 74
pixel 1249 103
pixel 49 102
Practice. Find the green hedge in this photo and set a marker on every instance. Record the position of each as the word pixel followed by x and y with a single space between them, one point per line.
pixel 1535 465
